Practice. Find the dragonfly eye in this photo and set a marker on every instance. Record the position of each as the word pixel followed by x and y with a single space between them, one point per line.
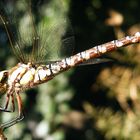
pixel 3 82
pixel 3 77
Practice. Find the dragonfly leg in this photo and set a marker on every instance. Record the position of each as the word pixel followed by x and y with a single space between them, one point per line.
pixel 13 103
pixel 4 109
pixel 12 122
pixel 18 118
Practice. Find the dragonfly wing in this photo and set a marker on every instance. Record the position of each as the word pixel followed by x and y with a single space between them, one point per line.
pixel 9 20
pixel 68 42
pixel 95 61
pixel 57 40
pixel 37 37
pixel 88 62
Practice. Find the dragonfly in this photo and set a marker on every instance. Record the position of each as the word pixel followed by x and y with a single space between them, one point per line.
pixel 28 74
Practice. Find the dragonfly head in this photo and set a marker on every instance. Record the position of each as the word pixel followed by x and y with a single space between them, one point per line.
pixel 3 82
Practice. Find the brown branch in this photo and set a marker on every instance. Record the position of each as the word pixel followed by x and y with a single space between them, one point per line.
pixel 2 137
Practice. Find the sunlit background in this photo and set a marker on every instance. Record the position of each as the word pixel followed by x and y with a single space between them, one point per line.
pixel 94 102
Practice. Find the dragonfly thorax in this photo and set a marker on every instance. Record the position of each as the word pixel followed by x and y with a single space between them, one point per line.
pixel 21 76
pixel 27 75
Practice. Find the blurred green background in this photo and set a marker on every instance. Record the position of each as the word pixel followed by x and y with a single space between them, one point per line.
pixel 96 102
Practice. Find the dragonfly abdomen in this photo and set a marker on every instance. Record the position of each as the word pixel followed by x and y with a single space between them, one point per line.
pixel 79 58
pixel 101 49
pixel 28 75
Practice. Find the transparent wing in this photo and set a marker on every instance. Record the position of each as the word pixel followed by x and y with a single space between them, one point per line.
pixel 57 37
pixel 9 24
pixel 56 43
pixel 46 37
pixel 41 30
pixel 6 24
pixel 95 61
